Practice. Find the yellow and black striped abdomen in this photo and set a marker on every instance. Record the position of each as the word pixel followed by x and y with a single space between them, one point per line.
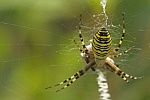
pixel 101 44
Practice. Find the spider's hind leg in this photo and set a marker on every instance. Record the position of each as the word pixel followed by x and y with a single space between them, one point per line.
pixel 80 34
pixel 122 37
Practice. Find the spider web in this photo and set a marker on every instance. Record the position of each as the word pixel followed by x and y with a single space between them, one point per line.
pixel 37 48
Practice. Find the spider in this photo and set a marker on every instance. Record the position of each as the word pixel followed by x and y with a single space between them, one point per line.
pixel 98 55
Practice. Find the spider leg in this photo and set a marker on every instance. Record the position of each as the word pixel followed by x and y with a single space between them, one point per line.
pixel 73 78
pixel 78 74
pixel 120 54
pixel 80 34
pixel 81 51
pixel 129 76
pixel 122 37
pixel 87 57
pixel 85 50
pixel 61 83
pixel 120 73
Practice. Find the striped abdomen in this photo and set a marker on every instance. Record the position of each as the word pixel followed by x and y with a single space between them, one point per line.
pixel 101 44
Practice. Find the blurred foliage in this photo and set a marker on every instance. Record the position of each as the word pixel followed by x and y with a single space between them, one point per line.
pixel 37 49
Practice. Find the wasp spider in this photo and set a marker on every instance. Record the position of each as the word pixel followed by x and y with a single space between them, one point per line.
pixel 97 55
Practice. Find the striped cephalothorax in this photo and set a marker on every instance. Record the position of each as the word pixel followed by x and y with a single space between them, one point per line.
pixel 98 55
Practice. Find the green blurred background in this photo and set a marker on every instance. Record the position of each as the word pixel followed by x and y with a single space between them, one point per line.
pixel 37 49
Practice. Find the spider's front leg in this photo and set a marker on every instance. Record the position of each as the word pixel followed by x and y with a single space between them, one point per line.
pixel 74 77
pixel 110 63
